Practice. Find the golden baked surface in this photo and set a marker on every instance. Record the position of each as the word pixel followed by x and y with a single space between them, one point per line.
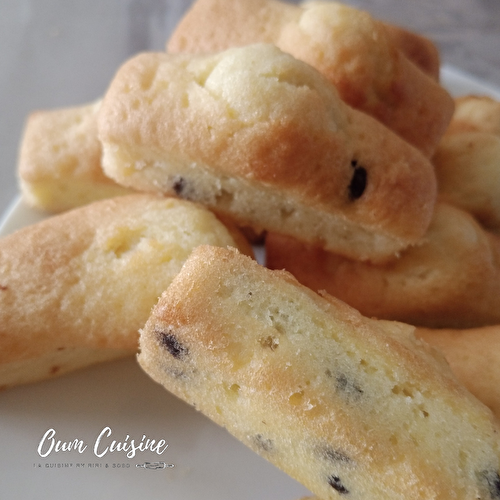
pixel 78 286
pixel 59 163
pixel 366 60
pixel 417 48
pixel 467 160
pixel 344 404
pixel 474 357
pixel 263 137
pixel 476 113
pixel 450 280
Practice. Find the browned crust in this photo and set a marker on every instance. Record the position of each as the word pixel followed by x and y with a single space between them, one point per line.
pixel 467 160
pixel 474 357
pixel 67 137
pixel 476 113
pixel 191 346
pixel 88 278
pixel 417 48
pixel 376 77
pixel 452 279
pixel 59 164
pixel 159 114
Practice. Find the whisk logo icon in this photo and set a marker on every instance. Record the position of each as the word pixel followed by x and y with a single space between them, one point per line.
pixel 155 465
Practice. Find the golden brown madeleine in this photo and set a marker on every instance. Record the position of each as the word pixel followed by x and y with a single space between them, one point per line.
pixel 60 160
pixel 76 288
pixel 476 113
pixel 474 357
pixel 344 404
pixel 367 62
pixel 254 133
pixel 419 49
pixel 451 279
pixel 467 160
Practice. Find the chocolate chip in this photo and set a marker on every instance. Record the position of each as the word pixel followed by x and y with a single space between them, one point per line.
pixel 263 443
pixel 168 340
pixel 179 185
pixel 336 456
pixel 336 484
pixel 493 481
pixel 349 387
pixel 184 188
pixel 3 287
pixel 178 374
pixel 358 182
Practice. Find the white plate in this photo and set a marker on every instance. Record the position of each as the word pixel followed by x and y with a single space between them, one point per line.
pixel 208 463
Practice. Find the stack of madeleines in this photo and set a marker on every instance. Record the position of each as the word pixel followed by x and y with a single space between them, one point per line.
pixel 323 136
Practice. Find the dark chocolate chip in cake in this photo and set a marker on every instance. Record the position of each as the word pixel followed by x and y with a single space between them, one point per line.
pixel 179 185
pixel 336 484
pixel 492 479
pixel 348 387
pixel 358 181
pixel 168 340
pixel 335 456
pixel 263 443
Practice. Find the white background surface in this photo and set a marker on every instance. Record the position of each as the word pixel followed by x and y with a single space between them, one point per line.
pixel 61 53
